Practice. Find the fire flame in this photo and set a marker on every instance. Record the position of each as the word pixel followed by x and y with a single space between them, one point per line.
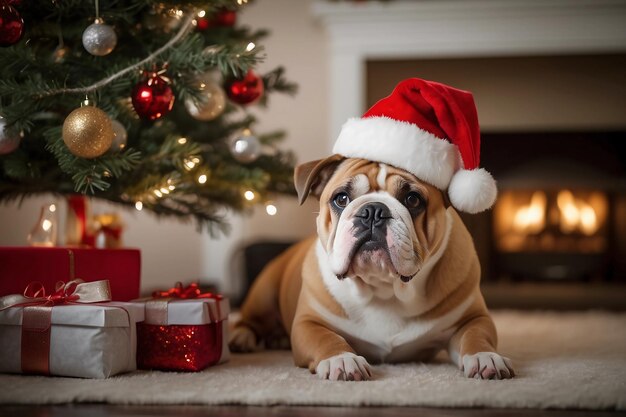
pixel 576 214
pixel 532 218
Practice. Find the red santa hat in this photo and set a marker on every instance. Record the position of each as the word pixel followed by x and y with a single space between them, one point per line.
pixel 430 130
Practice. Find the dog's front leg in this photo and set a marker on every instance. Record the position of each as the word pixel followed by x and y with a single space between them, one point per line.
pixel 326 353
pixel 473 349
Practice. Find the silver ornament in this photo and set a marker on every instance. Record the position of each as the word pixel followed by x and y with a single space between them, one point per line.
pixel 99 39
pixel 212 100
pixel 8 142
pixel 119 136
pixel 245 147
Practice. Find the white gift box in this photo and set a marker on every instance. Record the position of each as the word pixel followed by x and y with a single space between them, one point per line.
pixel 87 340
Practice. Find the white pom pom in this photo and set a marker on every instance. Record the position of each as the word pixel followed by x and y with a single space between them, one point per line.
pixel 472 191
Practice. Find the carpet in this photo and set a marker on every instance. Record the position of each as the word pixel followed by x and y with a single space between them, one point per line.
pixel 563 360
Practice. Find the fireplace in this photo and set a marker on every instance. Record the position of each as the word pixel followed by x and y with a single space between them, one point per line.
pixel 560 211
pixel 551 234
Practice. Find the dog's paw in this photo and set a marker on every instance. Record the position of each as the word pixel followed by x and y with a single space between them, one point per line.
pixel 344 367
pixel 487 365
pixel 242 339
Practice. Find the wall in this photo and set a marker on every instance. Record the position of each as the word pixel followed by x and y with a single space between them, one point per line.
pixel 523 93
pixel 172 251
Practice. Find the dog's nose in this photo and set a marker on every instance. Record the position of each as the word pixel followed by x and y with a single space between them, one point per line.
pixel 374 214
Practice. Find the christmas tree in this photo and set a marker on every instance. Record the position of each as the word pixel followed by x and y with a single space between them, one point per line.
pixel 139 102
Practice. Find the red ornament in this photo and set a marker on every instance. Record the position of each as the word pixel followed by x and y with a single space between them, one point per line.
pixel 153 99
pixel 245 90
pixel 11 25
pixel 203 23
pixel 223 18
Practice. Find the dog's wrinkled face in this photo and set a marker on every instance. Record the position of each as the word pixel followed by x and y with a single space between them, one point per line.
pixel 377 223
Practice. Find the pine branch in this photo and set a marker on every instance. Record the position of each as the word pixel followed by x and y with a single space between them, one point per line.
pixel 275 81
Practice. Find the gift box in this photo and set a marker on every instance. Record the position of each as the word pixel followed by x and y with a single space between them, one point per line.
pixel 183 334
pixel 21 265
pixel 78 338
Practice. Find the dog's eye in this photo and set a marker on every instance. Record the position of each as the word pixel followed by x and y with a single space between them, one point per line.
pixel 413 200
pixel 341 200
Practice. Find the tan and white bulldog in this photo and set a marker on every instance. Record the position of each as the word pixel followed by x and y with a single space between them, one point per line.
pixel 392 276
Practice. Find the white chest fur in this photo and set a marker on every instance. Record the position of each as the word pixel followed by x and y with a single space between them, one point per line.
pixel 385 330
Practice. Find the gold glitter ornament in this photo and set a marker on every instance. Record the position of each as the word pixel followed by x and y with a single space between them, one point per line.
pixel 212 100
pixel 88 132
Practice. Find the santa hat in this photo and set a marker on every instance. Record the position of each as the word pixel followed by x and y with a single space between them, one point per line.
pixel 430 130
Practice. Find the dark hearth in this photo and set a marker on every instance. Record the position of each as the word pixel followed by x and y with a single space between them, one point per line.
pixel 561 211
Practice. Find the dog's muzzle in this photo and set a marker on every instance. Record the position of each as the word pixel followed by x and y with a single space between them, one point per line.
pixel 370 231
pixel 374 236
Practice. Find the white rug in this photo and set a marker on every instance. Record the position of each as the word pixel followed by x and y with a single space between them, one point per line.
pixel 563 360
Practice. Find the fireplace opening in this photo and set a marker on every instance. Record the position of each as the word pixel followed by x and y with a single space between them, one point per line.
pixel 551 221
pixel 551 234
pixel 560 213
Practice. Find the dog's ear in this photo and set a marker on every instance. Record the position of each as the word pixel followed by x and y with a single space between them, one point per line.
pixel 446 199
pixel 311 177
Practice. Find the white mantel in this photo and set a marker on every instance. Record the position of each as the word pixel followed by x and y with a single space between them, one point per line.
pixel 457 28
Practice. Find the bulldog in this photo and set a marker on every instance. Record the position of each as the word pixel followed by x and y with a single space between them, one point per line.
pixel 392 275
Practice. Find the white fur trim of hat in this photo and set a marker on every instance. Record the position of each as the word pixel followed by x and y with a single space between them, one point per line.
pixel 428 157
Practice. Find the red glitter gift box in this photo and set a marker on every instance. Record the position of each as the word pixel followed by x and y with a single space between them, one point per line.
pixel 183 334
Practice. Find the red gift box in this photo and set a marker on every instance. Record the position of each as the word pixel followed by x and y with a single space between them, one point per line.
pixel 20 266
pixel 183 334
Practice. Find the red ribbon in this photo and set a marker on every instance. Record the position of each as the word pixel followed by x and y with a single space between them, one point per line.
pixel 77 204
pixel 191 291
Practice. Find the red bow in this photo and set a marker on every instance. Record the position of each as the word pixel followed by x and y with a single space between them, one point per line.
pixel 62 294
pixel 75 291
pixel 191 291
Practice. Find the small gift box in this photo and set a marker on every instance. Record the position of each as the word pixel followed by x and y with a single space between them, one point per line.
pixel 74 332
pixel 184 330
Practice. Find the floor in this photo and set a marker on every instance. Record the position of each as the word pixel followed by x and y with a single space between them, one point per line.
pixel 103 410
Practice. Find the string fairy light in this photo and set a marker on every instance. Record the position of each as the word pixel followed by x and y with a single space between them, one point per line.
pixel 271 209
pixel 249 195
pixel 191 162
